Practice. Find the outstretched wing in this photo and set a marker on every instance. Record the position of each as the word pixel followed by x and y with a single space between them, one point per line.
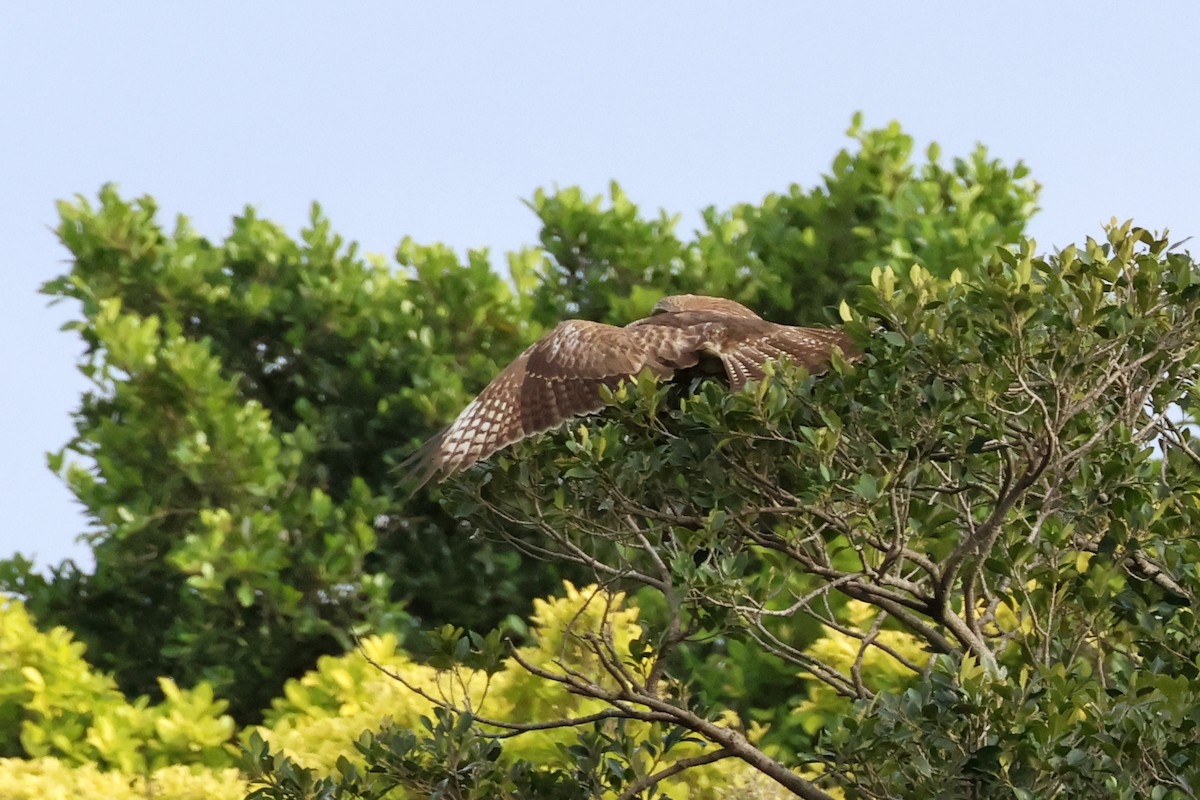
pixel 560 375
pixel 744 349
pixel 555 379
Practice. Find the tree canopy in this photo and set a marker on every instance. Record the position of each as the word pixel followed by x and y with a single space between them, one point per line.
pixel 964 565
pixel 998 502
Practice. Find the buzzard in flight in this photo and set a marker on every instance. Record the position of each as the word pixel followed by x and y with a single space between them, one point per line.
pixel 559 376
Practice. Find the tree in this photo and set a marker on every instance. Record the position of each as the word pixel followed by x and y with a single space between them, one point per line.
pixel 793 255
pixel 250 401
pixel 1001 500
pixel 252 396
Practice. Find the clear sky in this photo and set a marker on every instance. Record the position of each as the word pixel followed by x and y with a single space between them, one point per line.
pixel 435 119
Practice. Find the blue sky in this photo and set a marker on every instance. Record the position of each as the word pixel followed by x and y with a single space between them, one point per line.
pixel 434 120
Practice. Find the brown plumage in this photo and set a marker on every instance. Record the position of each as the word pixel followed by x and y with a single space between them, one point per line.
pixel 559 376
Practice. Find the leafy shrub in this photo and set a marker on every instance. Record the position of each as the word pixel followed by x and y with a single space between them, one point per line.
pixel 316 731
pixel 54 704
pixel 42 778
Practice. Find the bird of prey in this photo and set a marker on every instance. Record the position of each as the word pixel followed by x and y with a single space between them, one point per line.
pixel 559 376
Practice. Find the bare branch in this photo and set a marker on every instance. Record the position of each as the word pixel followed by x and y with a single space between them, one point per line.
pixel 642 784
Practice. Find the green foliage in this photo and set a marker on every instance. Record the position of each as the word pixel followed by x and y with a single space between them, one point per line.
pixel 250 401
pixel 53 704
pixel 450 759
pixel 311 743
pixel 252 397
pixel 825 708
pixel 1007 479
pixel 875 209
pixel 41 778
pixel 604 264
pixel 794 254
pixel 1053 731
